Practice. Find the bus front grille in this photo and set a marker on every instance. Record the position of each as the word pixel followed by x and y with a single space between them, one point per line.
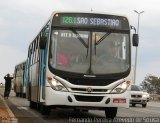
pixel 88 98
pixel 84 90
pixel 90 82
pixel 136 96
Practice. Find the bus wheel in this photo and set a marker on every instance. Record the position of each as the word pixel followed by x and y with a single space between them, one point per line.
pixel 84 110
pixel 133 105
pixel 77 110
pixel 45 110
pixel 33 105
pixel 144 105
pixel 111 112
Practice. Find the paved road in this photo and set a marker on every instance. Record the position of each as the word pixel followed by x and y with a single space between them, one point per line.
pixel 20 107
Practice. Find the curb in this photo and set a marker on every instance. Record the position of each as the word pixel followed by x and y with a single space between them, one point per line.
pixel 11 118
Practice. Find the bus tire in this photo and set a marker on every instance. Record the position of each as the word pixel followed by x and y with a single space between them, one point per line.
pixel 111 112
pixel 85 110
pixel 144 105
pixel 133 105
pixel 24 95
pixel 45 110
pixel 76 110
pixel 33 105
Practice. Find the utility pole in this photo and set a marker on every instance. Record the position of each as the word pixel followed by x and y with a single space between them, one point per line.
pixel 135 68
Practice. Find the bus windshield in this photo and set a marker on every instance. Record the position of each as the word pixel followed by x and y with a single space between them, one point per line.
pixel 89 52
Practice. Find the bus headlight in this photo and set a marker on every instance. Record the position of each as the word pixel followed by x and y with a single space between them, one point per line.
pixel 144 96
pixel 121 87
pixel 56 85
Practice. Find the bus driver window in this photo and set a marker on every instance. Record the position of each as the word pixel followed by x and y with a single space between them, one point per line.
pixel 58 52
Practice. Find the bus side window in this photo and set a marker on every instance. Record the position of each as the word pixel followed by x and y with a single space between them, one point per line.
pixel 31 54
pixel 16 71
pixel 32 51
pixel 34 56
pixel 52 45
pixel 38 50
pixel 35 51
pixel 45 32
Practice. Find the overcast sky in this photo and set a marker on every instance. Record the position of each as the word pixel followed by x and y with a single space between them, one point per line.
pixel 21 20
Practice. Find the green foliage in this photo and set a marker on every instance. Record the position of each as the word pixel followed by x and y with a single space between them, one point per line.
pixel 151 84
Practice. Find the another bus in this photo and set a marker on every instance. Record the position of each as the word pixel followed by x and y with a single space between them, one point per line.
pixel 19 79
pixel 81 61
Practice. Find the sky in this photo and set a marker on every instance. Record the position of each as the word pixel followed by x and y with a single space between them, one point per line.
pixel 21 20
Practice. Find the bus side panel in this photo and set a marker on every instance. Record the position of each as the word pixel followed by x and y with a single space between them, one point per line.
pixel 28 86
pixel 37 78
pixel 27 82
pixel 35 74
pixel 24 80
pixel 18 84
pixel 18 81
pixel 37 68
pixel 42 75
pixel 34 81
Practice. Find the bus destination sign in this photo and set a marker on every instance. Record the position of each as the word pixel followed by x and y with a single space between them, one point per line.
pixel 88 20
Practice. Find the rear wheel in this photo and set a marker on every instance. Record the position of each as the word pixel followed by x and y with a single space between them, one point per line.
pixel 16 94
pixel 84 110
pixel 111 112
pixel 144 105
pixel 133 105
pixel 45 110
pixel 33 105
pixel 76 110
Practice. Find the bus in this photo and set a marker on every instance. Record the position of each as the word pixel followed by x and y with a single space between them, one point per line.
pixel 19 79
pixel 81 60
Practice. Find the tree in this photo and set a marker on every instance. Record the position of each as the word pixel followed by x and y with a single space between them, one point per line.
pixel 151 84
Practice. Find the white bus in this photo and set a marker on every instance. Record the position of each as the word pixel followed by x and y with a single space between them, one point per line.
pixel 19 80
pixel 81 61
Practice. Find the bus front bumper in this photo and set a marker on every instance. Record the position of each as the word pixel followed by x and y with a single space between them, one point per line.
pixel 57 98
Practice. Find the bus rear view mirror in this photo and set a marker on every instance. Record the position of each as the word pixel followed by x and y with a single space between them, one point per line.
pixel 42 43
pixel 135 40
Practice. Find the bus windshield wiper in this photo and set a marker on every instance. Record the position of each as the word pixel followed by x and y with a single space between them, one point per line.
pixel 100 40
pixel 79 37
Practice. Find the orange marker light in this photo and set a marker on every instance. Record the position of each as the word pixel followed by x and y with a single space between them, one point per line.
pixel 49 78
